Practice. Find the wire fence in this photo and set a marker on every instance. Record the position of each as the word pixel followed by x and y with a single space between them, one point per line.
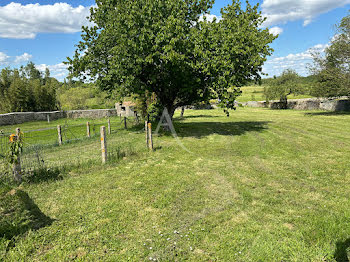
pixel 41 146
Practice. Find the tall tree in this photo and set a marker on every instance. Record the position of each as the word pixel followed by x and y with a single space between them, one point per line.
pixel 30 71
pixel 333 69
pixel 281 87
pixel 162 47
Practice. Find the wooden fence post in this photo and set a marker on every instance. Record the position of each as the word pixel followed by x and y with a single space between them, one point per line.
pixel 150 140
pixel 146 131
pixel 103 144
pixel 48 118
pixel 59 131
pixel 88 129
pixel 125 125
pixel 17 165
pixel 109 126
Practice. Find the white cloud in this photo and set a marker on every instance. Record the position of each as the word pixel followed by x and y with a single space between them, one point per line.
pixel 298 61
pixel 283 11
pixel 58 71
pixel 276 30
pixel 210 18
pixel 26 21
pixel 4 59
pixel 23 58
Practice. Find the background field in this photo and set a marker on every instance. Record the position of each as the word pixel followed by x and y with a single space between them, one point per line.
pixel 256 93
pixel 260 185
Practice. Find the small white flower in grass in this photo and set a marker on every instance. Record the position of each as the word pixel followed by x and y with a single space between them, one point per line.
pixel 174 243
pixel 150 258
pixel 168 238
pixel 150 248
pixel 191 248
pixel 144 244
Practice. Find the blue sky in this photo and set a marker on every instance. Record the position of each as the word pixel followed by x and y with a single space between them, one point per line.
pixel 45 31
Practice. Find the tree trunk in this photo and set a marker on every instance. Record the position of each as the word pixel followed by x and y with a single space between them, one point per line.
pixel 283 103
pixel 182 111
pixel 171 110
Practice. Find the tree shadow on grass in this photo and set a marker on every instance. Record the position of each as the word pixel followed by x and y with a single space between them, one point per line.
pixel 328 113
pixel 19 214
pixel 340 253
pixel 201 129
pixel 42 175
pixel 196 116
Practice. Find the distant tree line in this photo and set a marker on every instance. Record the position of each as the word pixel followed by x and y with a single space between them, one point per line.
pixel 330 73
pixel 27 89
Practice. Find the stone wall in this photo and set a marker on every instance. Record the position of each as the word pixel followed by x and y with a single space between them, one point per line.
pixel 94 113
pixel 329 104
pixel 22 117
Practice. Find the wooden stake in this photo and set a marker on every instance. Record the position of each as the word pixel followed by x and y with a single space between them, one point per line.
pixel 59 131
pixel 88 129
pixel 103 144
pixel 146 131
pixel 125 125
pixel 109 126
pixel 150 140
pixel 17 165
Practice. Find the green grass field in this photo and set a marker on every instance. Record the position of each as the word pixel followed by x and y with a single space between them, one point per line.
pixel 256 93
pixel 261 185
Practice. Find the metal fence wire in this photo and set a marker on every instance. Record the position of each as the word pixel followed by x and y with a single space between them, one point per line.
pixel 41 146
pixel 4 144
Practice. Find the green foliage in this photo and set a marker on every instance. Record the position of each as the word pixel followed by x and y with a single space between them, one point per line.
pixel 80 96
pixel 161 47
pixel 333 70
pixel 25 90
pixel 283 86
pixel 154 110
pixel 15 148
pixel 149 106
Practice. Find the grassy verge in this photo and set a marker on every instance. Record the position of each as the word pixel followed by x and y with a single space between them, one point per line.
pixel 261 185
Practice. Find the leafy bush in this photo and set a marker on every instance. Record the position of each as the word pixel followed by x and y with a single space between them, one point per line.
pixel 83 96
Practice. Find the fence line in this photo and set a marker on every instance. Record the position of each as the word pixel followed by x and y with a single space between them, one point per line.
pixel 39 144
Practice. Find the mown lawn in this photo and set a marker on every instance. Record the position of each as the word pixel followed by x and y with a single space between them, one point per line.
pixel 261 185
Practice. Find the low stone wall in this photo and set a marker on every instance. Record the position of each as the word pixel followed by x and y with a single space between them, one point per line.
pixel 329 104
pixel 22 117
pixel 94 113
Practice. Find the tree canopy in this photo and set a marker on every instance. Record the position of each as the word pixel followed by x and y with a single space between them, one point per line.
pixel 165 47
pixel 281 87
pixel 26 90
pixel 333 69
